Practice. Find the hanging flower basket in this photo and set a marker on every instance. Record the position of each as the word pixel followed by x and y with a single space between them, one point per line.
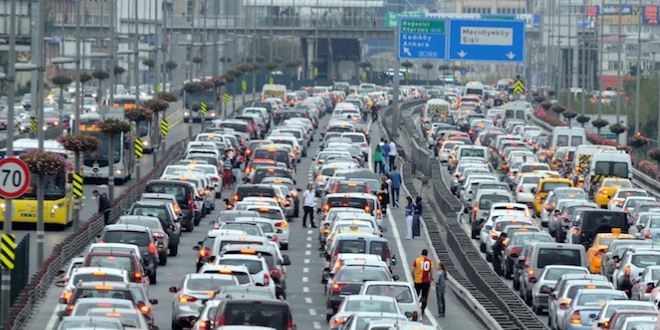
pixel 138 114
pixel 79 143
pixel 156 105
pixel 617 128
pixel 655 154
pixel 113 126
pixel 167 97
pixel 45 163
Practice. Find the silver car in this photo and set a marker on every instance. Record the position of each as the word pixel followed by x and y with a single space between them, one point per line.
pixel 643 287
pixel 403 292
pixel 193 292
pixel 546 284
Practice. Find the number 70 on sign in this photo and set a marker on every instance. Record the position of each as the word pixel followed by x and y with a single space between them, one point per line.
pixel 14 178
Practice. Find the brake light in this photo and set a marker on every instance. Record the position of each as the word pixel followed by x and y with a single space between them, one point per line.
pixel 205 252
pixel 575 318
pixel 235 197
pixel 66 295
pixel 275 273
pixel 282 224
pixel 191 202
pixel 69 309
pixel 138 276
pixel 289 324
pixel 606 324
pixel 266 280
pixel 367 209
pixel 221 320
pixel 326 207
pixel 144 309
pixel 626 271
pixel 647 234
pixel 336 288
pixel 202 325
pixel 514 252
pixel 152 248
pixel 565 304
pixel 531 273
pixel 521 189
pixel 186 298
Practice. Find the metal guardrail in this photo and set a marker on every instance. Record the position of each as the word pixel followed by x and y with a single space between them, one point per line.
pixel 639 179
pixel 502 305
pixel 74 243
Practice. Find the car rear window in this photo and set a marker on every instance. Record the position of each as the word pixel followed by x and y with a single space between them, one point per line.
pixel 94 293
pixel 486 201
pixel 401 293
pixel 177 190
pixel 361 274
pixel 91 278
pixel 138 238
pixel 559 256
pixel 379 248
pixel 116 262
pixel 352 246
pixel 227 242
pixel 243 192
pixel 550 186
pixel 239 127
pixel 645 260
pixel 358 203
pixel 257 313
pixel 253 266
pixel 210 284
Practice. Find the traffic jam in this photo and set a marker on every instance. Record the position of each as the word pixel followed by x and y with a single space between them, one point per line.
pixel 238 184
pixel 558 217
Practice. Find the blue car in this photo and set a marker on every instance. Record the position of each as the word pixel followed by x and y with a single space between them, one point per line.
pixel 585 307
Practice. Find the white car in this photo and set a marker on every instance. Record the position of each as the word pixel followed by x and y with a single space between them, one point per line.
pixel 276 215
pixel 524 188
pixel 620 196
pixel 363 303
pixel 255 264
pixel 404 293
pixel 92 274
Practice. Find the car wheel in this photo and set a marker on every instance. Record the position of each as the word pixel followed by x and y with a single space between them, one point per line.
pixel 162 259
pixel 174 250
pixel 153 278
pixel 284 246
pixel 198 219
pixel 176 326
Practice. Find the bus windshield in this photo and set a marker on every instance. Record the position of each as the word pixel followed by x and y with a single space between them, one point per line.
pixel 102 153
pixel 55 187
pixel 143 128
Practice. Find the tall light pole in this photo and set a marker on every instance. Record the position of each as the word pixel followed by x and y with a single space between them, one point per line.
pixel 5 281
pixel 113 53
pixel 600 64
pixel 639 65
pixel 39 60
pixel 77 203
pixel 619 77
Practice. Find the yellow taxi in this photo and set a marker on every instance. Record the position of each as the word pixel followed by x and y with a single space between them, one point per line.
pixel 599 248
pixel 607 189
pixel 544 187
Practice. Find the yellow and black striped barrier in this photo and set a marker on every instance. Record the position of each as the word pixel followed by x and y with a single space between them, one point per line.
pixel 225 98
pixel 138 145
pixel 8 251
pixel 77 185
pixel 164 127
pixel 203 108
pixel 33 125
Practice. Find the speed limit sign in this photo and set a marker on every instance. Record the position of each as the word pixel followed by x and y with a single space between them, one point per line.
pixel 14 178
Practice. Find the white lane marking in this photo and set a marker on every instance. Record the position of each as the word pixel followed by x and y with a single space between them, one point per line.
pixel 305 279
pixel 399 244
pixel 309 239
pixel 306 261
pixel 308 245
pixel 308 300
pixel 308 253
pixel 305 270
pixel 54 319
pixel 309 232
pixel 305 289
pixel 312 312
pixel 317 325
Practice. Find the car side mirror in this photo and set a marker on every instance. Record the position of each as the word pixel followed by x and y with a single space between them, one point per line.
pixel 533 190
pixel 285 260
pixel 395 277
pixel 174 289
pixel 196 248
pixel 153 301
pixel 61 272
pixel 545 289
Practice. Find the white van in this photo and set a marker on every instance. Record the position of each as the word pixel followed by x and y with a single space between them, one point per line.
pixel 474 88
pixel 567 137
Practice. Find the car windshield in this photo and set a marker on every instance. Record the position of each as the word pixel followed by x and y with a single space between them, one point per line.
pixel 90 277
pixel 131 320
pixel 401 293
pixel 361 274
pixel 138 238
pixel 370 305
pixel 487 201
pixel 142 222
pixel 247 228
pixel 362 321
pixel 637 307
pixel 95 293
pixel 67 324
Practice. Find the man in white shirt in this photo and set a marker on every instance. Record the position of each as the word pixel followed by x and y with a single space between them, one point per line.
pixel 392 153
pixel 308 206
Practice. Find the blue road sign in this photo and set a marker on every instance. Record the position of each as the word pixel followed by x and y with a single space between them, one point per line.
pixel 422 38
pixel 486 40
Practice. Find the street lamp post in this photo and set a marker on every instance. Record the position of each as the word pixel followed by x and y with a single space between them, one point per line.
pixel 638 69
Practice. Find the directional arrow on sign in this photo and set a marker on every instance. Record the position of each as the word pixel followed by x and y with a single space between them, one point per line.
pixel 511 55
pixel 462 53
pixel 407 51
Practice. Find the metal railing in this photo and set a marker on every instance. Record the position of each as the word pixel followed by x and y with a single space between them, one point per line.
pixel 488 289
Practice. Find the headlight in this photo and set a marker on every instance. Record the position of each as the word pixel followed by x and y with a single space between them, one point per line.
pixel 186 113
pixel 145 142
pixel 119 171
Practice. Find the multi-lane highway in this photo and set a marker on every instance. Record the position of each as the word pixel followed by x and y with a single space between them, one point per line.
pixel 305 291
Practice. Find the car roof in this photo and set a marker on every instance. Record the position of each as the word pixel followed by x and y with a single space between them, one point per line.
pixel 125 227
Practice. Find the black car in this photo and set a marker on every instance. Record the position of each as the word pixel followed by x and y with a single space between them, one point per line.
pixel 163 211
pixel 185 196
pixel 135 235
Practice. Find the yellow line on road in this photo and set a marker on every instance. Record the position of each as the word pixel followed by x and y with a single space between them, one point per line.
pixel 175 113
pixel 175 123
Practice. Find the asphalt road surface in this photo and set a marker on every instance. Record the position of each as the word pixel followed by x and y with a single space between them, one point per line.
pixel 305 291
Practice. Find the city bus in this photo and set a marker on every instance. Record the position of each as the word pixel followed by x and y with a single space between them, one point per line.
pixel 58 197
pixel 128 103
pixel 96 164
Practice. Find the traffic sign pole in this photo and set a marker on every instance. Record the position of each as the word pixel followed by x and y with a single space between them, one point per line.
pixel 5 280
pixel 395 94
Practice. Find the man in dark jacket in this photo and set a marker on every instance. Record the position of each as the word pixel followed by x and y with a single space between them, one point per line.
pixel 104 206
pixel 498 248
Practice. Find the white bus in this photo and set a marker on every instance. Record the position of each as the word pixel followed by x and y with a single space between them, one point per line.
pixel 96 164
pixel 474 88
